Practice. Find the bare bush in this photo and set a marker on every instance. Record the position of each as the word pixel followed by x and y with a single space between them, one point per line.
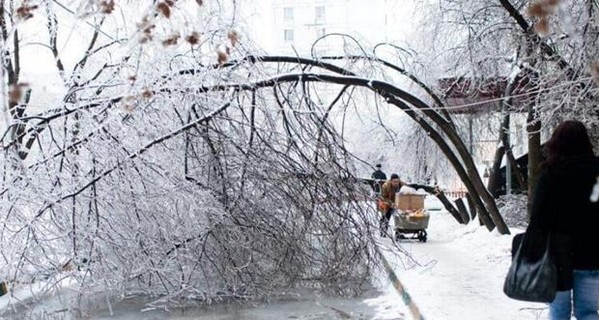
pixel 513 210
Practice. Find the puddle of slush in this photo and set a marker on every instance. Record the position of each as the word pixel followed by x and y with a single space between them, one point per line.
pixel 304 307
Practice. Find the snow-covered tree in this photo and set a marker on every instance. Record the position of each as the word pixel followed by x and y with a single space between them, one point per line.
pixel 159 168
pixel 541 53
pixel 176 162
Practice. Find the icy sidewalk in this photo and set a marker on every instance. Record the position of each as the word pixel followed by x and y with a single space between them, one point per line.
pixel 459 273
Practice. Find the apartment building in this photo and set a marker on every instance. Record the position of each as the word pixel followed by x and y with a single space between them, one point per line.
pixel 292 26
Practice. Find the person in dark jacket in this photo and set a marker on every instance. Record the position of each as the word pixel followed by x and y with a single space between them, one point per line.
pixel 378 177
pixel 562 205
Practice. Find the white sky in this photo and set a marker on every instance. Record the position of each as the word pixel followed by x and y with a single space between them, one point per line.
pixel 370 21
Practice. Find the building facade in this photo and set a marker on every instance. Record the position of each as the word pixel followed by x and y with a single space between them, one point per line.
pixel 293 26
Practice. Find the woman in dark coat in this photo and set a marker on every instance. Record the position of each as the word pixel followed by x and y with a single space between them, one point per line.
pixel 562 204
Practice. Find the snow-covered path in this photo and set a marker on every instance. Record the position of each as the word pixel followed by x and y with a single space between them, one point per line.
pixel 459 273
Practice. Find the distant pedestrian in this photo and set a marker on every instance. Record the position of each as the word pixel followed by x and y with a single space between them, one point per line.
pixel 562 205
pixel 378 177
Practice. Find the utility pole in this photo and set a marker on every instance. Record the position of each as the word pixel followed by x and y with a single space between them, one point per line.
pixel 508 165
pixel 471 141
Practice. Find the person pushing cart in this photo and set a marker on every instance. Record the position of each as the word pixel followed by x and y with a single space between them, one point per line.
pixel 386 200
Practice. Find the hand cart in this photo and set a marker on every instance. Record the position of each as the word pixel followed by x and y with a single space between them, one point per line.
pixel 410 217
pixel 414 223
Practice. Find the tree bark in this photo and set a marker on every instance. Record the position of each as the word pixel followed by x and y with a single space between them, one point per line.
pixel 533 129
pixel 495 174
pixel 435 191
pixel 504 137
pixel 462 209
pixel 471 206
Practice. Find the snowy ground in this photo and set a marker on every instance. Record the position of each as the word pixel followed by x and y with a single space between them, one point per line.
pixel 460 274
pixel 457 274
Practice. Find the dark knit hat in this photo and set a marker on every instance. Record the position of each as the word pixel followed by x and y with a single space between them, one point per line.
pixel 378 165
pixel 394 176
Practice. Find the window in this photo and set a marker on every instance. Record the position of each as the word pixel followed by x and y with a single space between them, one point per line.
pixel 319 15
pixel 319 52
pixel 320 32
pixel 288 35
pixel 520 133
pixel 288 15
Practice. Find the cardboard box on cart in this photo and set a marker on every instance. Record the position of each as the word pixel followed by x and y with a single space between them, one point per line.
pixel 409 202
pixel 411 217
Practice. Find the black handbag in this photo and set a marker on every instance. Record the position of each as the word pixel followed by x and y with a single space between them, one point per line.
pixel 533 274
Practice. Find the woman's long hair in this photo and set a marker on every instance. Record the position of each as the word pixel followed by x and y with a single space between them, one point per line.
pixel 570 139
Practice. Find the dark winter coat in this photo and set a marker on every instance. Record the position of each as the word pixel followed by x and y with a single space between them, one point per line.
pixel 561 204
pixel 379 175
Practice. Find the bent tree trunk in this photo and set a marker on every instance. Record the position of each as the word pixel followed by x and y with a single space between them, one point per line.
pixel 448 152
pixel 446 125
pixel 422 113
pixel 483 200
pixel 495 174
pixel 389 92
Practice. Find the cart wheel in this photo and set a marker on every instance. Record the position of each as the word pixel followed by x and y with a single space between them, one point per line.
pixel 422 236
pixel 399 236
